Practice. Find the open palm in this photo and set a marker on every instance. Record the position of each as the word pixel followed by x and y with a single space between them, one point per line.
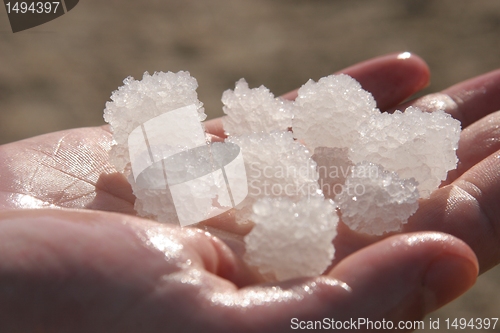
pixel 86 263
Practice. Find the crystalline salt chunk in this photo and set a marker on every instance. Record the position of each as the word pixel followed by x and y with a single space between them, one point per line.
pixel 276 165
pixel 254 110
pixel 375 201
pixel 153 119
pixel 136 102
pixel 327 113
pixel 413 143
pixel 291 239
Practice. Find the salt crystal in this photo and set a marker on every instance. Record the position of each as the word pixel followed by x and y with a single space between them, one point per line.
pixel 291 239
pixel 413 143
pixel 328 113
pixel 159 140
pixel 254 110
pixel 136 102
pixel 276 166
pixel 375 201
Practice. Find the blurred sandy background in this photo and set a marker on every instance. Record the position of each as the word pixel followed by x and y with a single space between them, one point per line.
pixel 59 75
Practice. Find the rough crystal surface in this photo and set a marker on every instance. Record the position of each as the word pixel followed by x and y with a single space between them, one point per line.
pixel 291 239
pixel 276 165
pixel 254 110
pixel 136 102
pixel 375 201
pixel 132 106
pixel 413 143
pixel 328 113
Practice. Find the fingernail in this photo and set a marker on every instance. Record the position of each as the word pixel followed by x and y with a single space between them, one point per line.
pixel 447 278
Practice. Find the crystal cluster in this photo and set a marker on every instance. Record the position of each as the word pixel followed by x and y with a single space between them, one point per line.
pixel 374 165
pixel 244 108
pixel 413 143
pixel 132 105
pixel 411 152
pixel 136 102
pixel 294 224
pixel 380 196
pixel 291 239
pixel 328 113
pixel 277 166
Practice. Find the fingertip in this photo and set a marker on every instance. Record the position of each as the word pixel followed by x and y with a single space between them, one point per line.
pixel 392 78
pixel 415 273
pixel 422 78
pixel 446 278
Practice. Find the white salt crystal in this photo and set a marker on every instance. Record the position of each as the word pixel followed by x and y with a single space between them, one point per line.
pixel 276 165
pixel 335 112
pixel 139 107
pixel 254 110
pixel 327 113
pixel 413 143
pixel 291 239
pixel 136 102
pixel 375 201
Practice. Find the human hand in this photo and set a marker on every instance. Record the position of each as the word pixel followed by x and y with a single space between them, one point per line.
pixel 466 205
pixel 96 271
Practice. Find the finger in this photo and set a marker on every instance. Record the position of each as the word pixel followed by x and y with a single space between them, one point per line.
pixel 392 270
pixel 468 209
pixel 477 142
pixel 391 79
pixel 467 101
pixel 400 278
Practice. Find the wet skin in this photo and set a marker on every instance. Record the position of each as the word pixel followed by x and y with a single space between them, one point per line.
pixel 73 257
